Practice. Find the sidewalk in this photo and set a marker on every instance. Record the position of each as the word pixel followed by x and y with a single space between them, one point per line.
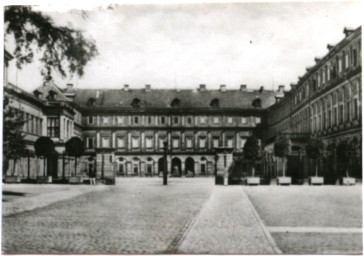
pixel 228 223
pixel 36 196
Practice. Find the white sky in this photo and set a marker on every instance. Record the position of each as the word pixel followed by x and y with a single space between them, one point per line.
pixel 182 46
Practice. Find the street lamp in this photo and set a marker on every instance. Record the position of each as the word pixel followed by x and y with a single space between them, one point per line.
pixel 165 171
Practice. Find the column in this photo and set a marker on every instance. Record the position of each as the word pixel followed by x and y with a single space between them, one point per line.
pixel 98 140
pixel 183 169
pixel 113 142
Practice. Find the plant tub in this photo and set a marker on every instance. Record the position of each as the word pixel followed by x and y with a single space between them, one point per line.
pixel 76 180
pixel 348 181
pixel 12 179
pixel 284 180
pixel 253 181
pixel 316 180
pixel 44 179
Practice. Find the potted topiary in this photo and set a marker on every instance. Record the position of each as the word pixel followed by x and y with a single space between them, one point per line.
pixel 346 153
pixel 314 151
pixel 251 153
pixel 75 148
pixel 44 147
pixel 282 149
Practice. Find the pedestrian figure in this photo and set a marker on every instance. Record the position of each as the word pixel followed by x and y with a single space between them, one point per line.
pixel 92 176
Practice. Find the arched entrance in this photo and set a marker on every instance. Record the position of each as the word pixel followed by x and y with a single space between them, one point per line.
pixel 160 165
pixel 203 166
pixel 176 167
pixel 190 167
pixel 136 166
pixel 121 167
pixel 149 167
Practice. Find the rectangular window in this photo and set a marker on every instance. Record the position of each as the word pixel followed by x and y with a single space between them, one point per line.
pixel 135 142
pixel 90 120
pixel 161 142
pixel 354 58
pixel 53 127
pixel 149 142
pixel 202 119
pixel 175 143
pixel 215 142
pixel 188 142
pixel 243 120
pixel 216 120
pixel 335 116
pixel 120 120
pixel 105 142
pixel 323 76
pixel 175 120
pixel 328 73
pixel 105 120
pixel 355 108
pixel 229 142
pixel 121 142
pixel 202 143
pixel 340 64
pixel 348 107
pixel 318 80
pixel 189 120
pixel 90 142
pixel 136 120
pixel 163 120
pixel 346 60
pixel 150 120
pixel 257 120
pixel 341 114
pixel 229 120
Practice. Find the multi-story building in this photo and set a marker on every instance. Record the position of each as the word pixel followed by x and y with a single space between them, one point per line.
pixel 326 101
pixel 125 129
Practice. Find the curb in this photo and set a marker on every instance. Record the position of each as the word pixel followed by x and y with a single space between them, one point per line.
pixel 263 227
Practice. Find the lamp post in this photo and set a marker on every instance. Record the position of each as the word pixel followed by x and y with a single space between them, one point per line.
pixel 165 171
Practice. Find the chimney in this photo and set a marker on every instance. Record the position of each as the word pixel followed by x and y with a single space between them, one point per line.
pixel 348 31
pixel 317 60
pixel 126 87
pixel 202 87
pixel 38 94
pixel 147 88
pixel 329 47
pixel 261 89
pixel 281 88
pixel 223 88
pixel 243 87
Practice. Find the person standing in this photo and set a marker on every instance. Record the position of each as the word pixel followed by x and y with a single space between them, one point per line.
pixel 93 176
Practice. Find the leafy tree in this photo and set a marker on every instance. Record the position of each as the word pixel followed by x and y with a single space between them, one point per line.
pixel 282 148
pixel 346 151
pixel 75 147
pixel 63 49
pixel 13 139
pixel 314 150
pixel 44 146
pixel 251 151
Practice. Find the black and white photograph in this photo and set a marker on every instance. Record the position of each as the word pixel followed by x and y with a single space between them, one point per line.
pixel 230 128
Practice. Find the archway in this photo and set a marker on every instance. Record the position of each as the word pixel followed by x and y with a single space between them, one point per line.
pixel 176 167
pixel 190 167
pixel 149 167
pixel 160 165
pixel 136 166
pixel 203 166
pixel 121 167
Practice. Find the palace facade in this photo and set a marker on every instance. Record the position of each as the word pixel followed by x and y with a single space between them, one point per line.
pixel 124 129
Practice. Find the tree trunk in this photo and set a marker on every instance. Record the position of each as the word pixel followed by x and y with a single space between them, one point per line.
pixel 44 165
pixel 75 166
pixel 253 169
pixel 63 167
pixel 316 167
pixel 14 165
pixel 284 166
pixel 28 167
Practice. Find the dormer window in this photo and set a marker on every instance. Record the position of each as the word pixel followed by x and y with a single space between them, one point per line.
pixel 176 103
pixel 215 103
pixel 136 103
pixel 51 95
pixel 257 103
pixel 91 102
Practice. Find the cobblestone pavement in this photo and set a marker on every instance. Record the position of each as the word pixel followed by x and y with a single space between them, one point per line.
pixel 228 224
pixel 135 216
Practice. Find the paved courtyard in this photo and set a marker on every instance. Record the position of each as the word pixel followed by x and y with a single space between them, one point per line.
pixel 190 215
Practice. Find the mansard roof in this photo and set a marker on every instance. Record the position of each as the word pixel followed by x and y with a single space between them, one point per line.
pixel 48 87
pixel 162 98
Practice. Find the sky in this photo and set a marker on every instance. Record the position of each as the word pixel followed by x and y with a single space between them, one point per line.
pixel 184 45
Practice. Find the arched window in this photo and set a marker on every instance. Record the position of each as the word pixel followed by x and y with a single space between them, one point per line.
pixel 176 103
pixel 257 103
pixel 215 103
pixel 136 103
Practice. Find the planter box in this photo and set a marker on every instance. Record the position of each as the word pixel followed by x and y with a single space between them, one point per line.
pixel 76 180
pixel 253 181
pixel 42 179
pixel 12 179
pixel 316 180
pixel 284 180
pixel 348 181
